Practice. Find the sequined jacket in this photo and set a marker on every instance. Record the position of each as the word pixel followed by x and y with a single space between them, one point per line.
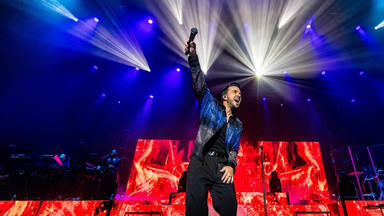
pixel 213 117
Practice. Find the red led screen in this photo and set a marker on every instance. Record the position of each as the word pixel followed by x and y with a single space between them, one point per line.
pixel 159 164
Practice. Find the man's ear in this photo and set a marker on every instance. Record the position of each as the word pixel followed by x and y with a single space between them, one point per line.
pixel 225 97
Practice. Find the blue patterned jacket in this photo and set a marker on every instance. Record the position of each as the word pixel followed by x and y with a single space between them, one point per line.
pixel 213 117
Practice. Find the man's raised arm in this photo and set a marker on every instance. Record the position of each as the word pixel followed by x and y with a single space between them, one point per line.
pixel 198 79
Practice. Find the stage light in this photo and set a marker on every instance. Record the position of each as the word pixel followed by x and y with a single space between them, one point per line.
pixel 353 100
pixel 178 69
pixel 292 8
pixel 146 26
pixel 253 41
pixel 95 67
pixel 103 95
pixel 137 68
pixel 258 74
pixel 285 72
pixel 309 99
pixel 381 25
pixel 118 102
pixel 308 28
pixel 151 96
pixel 362 73
pixel 260 44
pixel 361 31
pixel 58 7
pixel 264 99
pixel 173 7
pixel 112 40
pixel 323 73
pixel 202 14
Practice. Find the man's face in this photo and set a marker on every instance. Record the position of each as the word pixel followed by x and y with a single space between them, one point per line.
pixel 233 97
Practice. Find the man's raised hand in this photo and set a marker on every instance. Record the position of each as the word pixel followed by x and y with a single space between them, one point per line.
pixel 192 49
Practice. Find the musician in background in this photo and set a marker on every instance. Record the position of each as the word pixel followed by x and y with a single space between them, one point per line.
pixel 110 179
pixel 113 161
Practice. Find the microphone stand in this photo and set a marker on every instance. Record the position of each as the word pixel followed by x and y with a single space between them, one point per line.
pixel 263 179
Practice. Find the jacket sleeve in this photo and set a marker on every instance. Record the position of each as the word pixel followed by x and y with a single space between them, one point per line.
pixel 233 153
pixel 198 79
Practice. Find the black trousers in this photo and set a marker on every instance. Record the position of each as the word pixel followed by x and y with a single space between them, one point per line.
pixel 204 175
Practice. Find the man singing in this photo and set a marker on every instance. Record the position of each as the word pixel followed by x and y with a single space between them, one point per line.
pixel 213 159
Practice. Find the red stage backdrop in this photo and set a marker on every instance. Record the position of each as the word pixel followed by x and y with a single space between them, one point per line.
pixel 159 164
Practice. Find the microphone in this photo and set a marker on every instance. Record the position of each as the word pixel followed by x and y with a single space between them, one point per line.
pixel 191 38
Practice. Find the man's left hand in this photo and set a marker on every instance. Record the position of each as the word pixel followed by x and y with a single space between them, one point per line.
pixel 228 174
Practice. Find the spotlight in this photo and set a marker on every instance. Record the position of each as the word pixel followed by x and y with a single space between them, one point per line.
pixel 56 6
pixel 264 99
pixel 151 96
pixel 362 73
pixel 281 105
pixel 168 15
pixel 309 99
pixel 381 25
pixel 137 68
pixel 308 26
pixel 113 42
pixel 323 73
pixel 285 72
pixel 353 100
pixel 150 21
pixel 291 10
pixel 258 74
pixel 118 102
pixel 95 67
pixel 361 31
pixel 103 95
pixel 178 69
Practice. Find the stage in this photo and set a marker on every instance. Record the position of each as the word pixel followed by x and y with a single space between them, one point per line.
pixel 156 184
pixel 107 110
pixel 100 207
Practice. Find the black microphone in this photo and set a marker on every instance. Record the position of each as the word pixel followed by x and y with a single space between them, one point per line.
pixel 191 38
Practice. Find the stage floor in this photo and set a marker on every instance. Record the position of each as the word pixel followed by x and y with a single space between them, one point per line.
pixel 100 207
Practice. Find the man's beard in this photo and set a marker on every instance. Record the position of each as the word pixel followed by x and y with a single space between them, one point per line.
pixel 232 103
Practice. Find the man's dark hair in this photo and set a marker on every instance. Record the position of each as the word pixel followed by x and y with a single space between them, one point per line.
pixel 225 90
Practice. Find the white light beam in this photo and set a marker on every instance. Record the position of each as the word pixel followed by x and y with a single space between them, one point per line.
pixel 381 25
pixel 202 14
pixel 56 6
